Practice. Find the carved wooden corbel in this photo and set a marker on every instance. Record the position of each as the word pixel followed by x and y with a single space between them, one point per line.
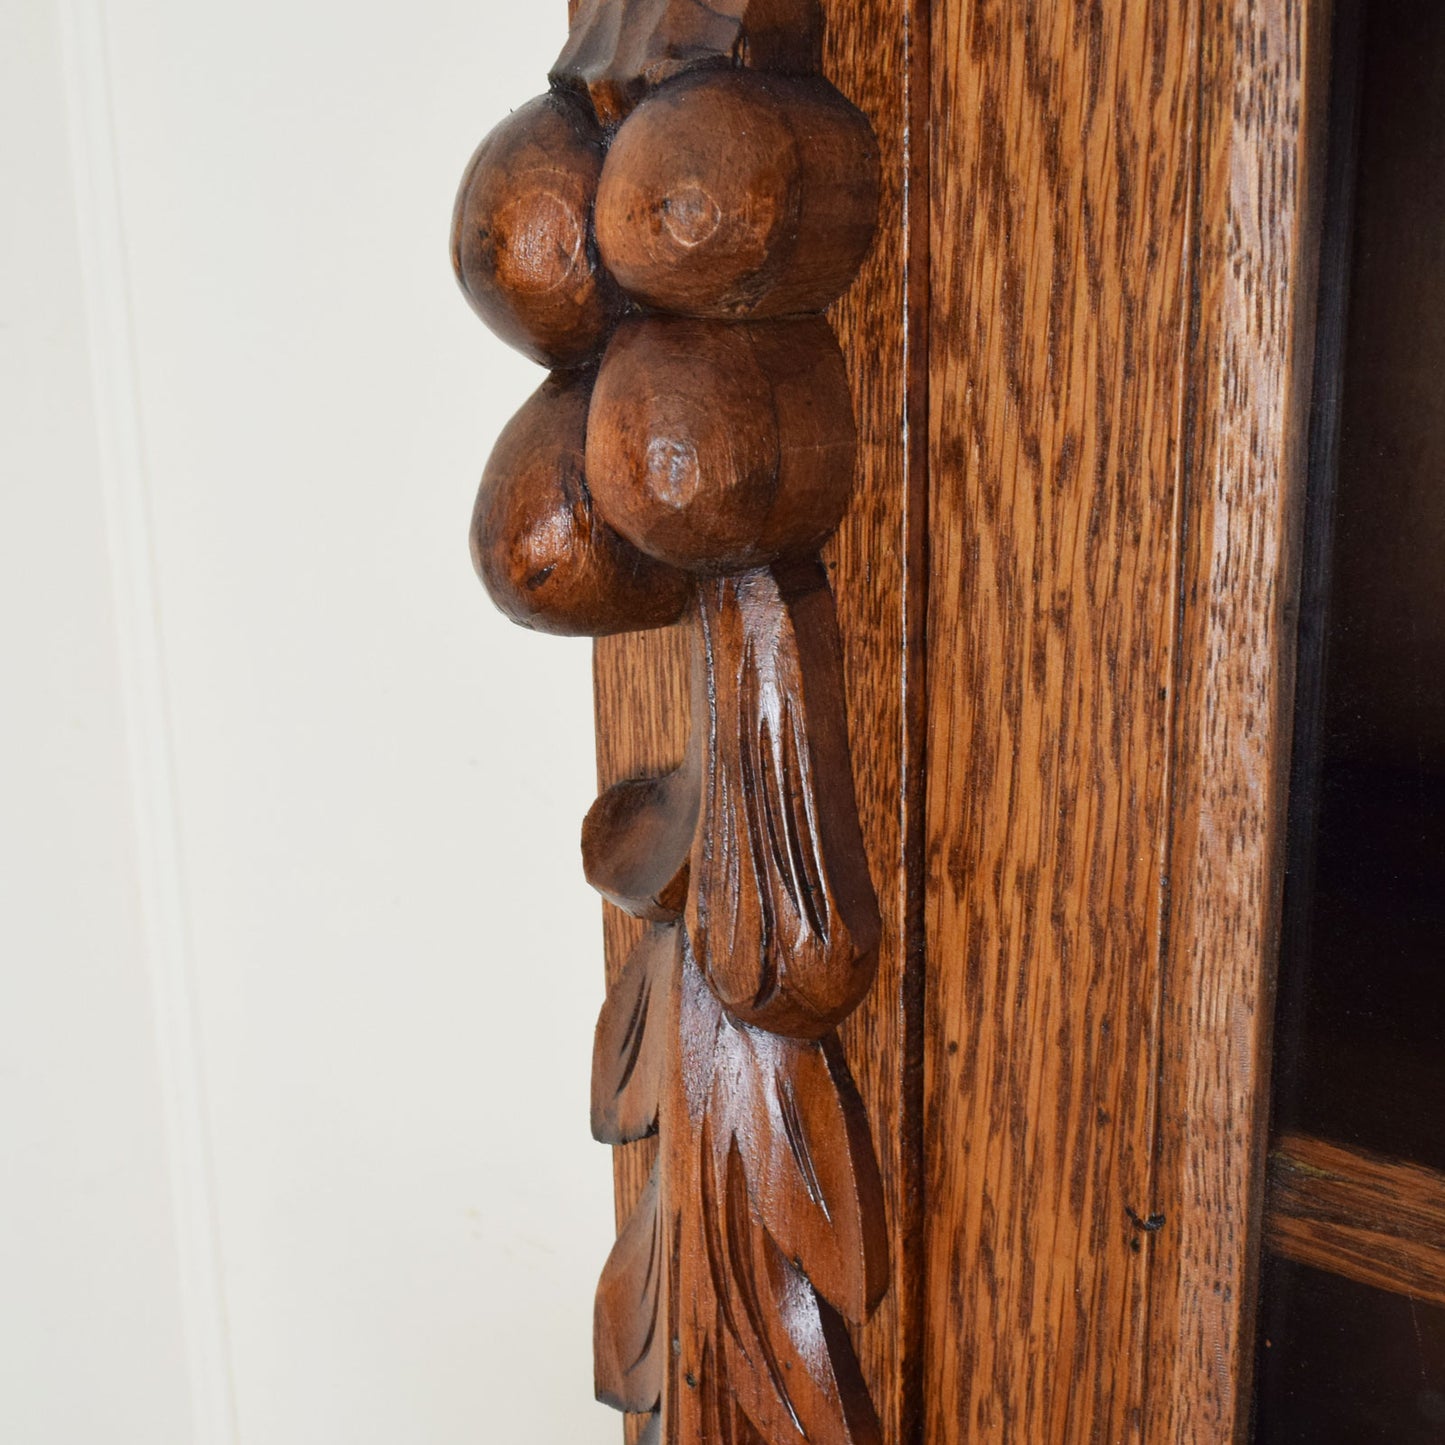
pixel 663 229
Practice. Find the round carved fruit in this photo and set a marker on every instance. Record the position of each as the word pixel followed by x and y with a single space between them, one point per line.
pixel 736 193
pixel 719 446
pixel 521 234
pixel 547 559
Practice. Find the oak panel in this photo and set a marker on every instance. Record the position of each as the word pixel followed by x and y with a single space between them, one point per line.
pixel 1062 165
pixel 1263 77
pixel 1123 233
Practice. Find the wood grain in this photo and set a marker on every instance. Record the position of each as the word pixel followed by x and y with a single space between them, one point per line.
pixel 1377 1221
pixel 1118 208
pixel 1062 169
pixel 1121 239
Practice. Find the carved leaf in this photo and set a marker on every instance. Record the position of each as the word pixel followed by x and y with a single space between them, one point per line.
pixel 801 1138
pixel 785 1201
pixel 782 912
pixel 630 1051
pixel 629 1335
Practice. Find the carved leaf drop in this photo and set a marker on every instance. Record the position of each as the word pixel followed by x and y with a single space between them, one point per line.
pixel 721 1311
pixel 630 1336
pixel 781 911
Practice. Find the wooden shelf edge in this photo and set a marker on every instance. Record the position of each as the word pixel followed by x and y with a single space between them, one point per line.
pixel 1377 1221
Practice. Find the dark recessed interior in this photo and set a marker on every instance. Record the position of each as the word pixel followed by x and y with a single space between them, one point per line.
pixel 1361 1022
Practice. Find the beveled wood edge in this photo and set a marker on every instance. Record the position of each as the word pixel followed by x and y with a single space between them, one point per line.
pixel 1371 1219
pixel 1262 111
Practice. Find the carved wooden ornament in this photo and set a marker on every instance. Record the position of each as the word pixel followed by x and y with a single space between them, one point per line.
pixel 664 229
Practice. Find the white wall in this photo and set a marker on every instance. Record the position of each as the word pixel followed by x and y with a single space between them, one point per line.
pixel 297 968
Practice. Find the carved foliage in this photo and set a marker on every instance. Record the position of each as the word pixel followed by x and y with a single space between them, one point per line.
pixel 691 461
pixel 714 1309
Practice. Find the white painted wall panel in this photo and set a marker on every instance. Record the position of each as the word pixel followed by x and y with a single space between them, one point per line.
pixel 91 1336
pixel 297 969
pixel 380 782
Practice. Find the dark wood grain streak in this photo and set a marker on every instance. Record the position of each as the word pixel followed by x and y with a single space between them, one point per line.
pixel 910 1285
pixel 1377 1221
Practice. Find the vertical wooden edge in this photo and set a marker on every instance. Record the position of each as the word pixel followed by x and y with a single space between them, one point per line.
pixel 1263 91
pixel 874 50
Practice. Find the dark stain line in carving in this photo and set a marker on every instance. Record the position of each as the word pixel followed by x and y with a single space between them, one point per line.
pixel 798 1143
pixel 635 1036
pixel 742 1246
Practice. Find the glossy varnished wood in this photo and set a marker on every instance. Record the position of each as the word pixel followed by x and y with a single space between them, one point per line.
pixel 739 194
pixel 522 233
pixel 1122 281
pixel 617 50
pixel 1076 359
pixel 1377 1221
pixel 547 558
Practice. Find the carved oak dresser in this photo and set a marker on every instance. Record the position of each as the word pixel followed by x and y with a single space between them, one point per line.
pixel 977 433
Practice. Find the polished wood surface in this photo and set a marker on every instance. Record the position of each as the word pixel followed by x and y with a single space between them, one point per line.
pixel 1378 1221
pixel 1062 175
pixel 547 557
pixel 1264 74
pixel 1122 283
pixel 619 50
pixel 737 193
pixel 720 447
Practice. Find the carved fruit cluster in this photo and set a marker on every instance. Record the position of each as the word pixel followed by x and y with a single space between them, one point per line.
pixel 698 419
